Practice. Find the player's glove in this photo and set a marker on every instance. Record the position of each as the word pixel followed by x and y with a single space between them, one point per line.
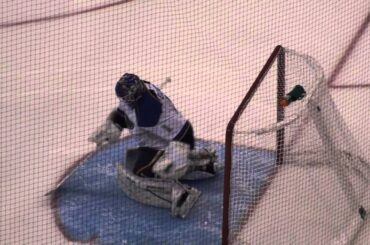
pixel 107 133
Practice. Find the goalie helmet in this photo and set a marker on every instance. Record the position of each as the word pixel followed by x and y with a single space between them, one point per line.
pixel 130 88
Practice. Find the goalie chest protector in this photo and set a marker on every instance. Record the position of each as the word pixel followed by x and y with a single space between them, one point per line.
pixel 155 114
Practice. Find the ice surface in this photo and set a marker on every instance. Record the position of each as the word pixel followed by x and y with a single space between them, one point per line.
pixel 57 81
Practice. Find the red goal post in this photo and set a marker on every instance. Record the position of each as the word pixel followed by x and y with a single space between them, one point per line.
pixel 276 55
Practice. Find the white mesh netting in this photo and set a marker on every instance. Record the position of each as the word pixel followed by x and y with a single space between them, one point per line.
pixel 319 161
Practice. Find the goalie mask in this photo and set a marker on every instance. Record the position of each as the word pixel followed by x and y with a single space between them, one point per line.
pixel 130 88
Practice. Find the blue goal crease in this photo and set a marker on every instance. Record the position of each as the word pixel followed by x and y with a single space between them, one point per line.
pixel 90 205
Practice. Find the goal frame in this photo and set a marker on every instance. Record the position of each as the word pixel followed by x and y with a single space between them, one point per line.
pixel 277 55
pixel 321 118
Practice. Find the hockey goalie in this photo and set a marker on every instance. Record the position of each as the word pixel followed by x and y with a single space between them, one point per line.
pixel 165 155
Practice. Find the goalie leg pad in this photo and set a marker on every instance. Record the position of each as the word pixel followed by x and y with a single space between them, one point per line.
pixel 150 191
pixel 163 193
pixel 184 198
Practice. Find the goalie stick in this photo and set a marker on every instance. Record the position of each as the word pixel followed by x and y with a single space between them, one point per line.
pixel 64 179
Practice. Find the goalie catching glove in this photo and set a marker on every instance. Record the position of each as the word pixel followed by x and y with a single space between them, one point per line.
pixel 111 130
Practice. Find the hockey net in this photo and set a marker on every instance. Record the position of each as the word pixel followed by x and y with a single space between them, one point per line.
pixel 302 153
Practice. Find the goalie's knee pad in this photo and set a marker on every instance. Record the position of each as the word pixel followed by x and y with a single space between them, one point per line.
pixel 174 162
pixel 203 164
pixel 179 162
pixel 202 157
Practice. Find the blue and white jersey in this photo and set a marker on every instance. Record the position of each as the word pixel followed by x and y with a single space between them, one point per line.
pixel 156 119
